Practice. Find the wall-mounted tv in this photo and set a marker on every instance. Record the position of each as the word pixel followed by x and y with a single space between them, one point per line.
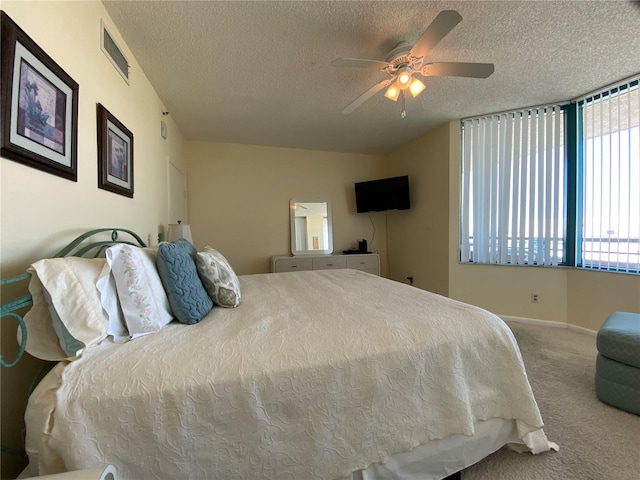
pixel 382 195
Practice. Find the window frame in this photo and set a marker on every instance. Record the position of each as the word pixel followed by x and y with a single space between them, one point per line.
pixel 529 238
pixel 574 158
pixel 601 94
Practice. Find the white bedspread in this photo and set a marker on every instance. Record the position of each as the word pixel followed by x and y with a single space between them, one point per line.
pixel 314 375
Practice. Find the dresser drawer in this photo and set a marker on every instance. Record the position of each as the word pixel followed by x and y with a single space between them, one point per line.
pixel 329 262
pixel 292 264
pixel 363 262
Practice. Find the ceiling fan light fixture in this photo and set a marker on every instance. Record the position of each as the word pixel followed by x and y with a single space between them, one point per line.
pixel 393 92
pixel 416 87
pixel 404 78
pixel 405 61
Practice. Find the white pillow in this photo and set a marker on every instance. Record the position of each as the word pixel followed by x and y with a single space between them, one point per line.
pixel 42 339
pixel 106 286
pixel 218 278
pixel 70 283
pixel 72 346
pixel 142 298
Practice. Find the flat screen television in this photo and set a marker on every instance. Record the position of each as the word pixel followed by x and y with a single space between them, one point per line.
pixel 382 195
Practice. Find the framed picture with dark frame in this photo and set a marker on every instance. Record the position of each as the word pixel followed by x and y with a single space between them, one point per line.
pixel 115 154
pixel 39 106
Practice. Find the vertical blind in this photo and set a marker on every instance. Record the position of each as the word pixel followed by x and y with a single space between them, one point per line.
pixel 512 188
pixel 610 197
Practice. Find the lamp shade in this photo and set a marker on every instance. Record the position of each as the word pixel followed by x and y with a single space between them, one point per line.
pixel 392 92
pixel 416 87
pixel 179 230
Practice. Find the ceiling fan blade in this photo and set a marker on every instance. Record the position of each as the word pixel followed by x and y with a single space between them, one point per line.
pixel 457 69
pixel 358 63
pixel 443 24
pixel 365 96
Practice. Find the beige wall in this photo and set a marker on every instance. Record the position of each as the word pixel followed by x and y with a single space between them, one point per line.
pixel 591 296
pixel 238 198
pixel 419 237
pixel 40 212
pixel 506 290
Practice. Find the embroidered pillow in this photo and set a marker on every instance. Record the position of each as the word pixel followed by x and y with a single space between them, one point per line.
pixel 141 295
pixel 218 278
pixel 177 268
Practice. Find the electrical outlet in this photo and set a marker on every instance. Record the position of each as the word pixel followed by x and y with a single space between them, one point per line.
pixel 535 298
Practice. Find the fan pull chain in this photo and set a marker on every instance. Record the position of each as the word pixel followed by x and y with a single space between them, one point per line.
pixel 404 112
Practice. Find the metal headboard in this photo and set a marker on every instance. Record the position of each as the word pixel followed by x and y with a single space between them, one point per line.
pixel 82 246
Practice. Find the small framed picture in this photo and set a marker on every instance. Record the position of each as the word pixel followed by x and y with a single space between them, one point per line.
pixel 39 105
pixel 115 154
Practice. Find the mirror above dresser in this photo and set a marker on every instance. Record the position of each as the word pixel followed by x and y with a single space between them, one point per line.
pixel 311 230
pixel 312 242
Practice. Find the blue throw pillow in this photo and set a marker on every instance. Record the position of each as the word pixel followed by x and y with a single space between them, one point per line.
pixel 187 296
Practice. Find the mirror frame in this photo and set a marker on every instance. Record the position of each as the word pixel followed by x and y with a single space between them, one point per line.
pixel 292 218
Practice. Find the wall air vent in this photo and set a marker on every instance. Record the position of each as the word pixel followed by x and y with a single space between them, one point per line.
pixel 113 53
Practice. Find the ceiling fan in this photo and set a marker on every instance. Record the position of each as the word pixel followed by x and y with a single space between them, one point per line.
pixel 405 63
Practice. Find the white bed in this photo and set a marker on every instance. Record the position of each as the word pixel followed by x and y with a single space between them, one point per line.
pixel 316 375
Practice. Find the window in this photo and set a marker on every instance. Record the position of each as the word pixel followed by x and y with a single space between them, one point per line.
pixel 554 185
pixel 609 200
pixel 512 192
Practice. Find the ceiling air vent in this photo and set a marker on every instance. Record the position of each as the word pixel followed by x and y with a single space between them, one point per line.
pixel 113 53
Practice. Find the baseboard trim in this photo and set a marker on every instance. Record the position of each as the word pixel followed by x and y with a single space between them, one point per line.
pixel 548 323
pixel 577 328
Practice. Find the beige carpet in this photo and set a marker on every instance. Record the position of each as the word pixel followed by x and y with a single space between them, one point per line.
pixel 597 442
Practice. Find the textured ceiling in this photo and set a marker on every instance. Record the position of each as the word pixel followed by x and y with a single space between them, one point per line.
pixel 260 72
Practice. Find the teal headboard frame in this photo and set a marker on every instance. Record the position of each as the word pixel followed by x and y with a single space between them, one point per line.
pixel 82 246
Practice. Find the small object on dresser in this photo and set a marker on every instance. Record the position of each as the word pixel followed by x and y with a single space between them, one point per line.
pixel 362 248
